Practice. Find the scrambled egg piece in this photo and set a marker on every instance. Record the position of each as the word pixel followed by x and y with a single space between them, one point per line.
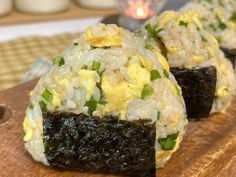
pixel 219 13
pixel 166 18
pixel 148 64
pixel 87 80
pixel 222 92
pixel 214 39
pixel 103 37
pixel 162 60
pixel 187 18
pixel 198 58
pixel 56 99
pixel 211 51
pixel 29 131
pixel 118 95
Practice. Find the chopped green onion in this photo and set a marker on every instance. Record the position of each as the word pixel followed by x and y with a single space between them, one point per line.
pixel 148 46
pixel 147 91
pixel 92 104
pixel 158 115
pixel 178 90
pixel 203 19
pixel 169 142
pixel 155 75
pixel 183 23
pixel 76 43
pixel 59 61
pixel 151 31
pixel 159 30
pixel 31 106
pixel 204 39
pixel 227 90
pixel 212 27
pixel 103 102
pixel 96 66
pixel 166 73
pixel 47 95
pixel 221 3
pixel 233 17
pixel 42 105
pixel 222 26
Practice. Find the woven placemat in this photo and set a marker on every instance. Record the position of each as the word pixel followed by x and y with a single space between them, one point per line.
pixel 17 56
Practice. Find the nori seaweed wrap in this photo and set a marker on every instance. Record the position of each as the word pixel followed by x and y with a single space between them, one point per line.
pixel 230 54
pixel 198 88
pixel 108 104
pixel 193 55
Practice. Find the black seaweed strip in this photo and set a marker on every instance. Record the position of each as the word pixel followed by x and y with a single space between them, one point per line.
pixel 198 88
pixel 99 145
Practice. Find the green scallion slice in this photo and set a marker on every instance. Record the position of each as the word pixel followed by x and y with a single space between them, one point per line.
pixel 222 26
pixel 96 66
pixel 158 115
pixel 169 142
pixel 183 23
pixel 92 104
pixel 204 39
pixel 31 106
pixel 233 17
pixel 155 75
pixel 148 46
pixel 166 73
pixel 178 90
pixel 103 101
pixel 147 91
pixel 150 30
pixel 42 105
pixel 59 61
pixel 47 95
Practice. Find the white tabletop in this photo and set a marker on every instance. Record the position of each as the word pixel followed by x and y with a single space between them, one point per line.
pixel 46 28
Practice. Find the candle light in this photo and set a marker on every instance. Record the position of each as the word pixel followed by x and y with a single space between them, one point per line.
pixel 135 12
pixel 139 10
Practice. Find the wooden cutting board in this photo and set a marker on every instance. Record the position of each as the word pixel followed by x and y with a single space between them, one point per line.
pixel 208 149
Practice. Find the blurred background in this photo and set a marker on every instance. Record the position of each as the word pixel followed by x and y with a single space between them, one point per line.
pixel 33 32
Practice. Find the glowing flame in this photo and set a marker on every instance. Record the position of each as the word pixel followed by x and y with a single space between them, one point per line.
pixel 139 9
pixel 140 12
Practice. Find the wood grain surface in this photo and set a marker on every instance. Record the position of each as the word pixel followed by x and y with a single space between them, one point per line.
pixel 208 149
pixel 74 11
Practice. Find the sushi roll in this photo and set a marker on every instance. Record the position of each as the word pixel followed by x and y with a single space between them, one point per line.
pixel 108 104
pixel 218 18
pixel 206 77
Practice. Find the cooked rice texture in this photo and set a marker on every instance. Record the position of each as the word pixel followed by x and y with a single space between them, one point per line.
pixel 187 45
pixel 218 18
pixel 111 67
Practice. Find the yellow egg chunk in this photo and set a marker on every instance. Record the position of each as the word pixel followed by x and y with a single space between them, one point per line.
pixel 163 61
pixel 166 18
pixel 28 130
pixel 87 80
pixel 222 92
pixel 56 99
pixel 198 58
pixel 105 39
pixel 120 94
